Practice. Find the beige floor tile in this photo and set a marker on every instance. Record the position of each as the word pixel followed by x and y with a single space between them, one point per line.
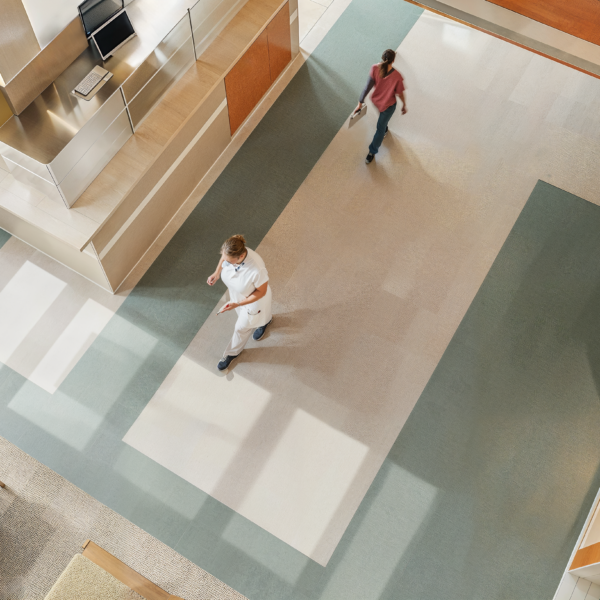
pixel 51 314
pixel 309 12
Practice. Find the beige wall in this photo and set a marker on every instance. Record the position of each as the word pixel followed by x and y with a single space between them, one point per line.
pixel 49 17
pixel 18 44
pixel 45 67
pixel 5 112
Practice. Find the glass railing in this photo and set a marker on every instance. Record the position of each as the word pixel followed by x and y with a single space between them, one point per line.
pixel 169 60
pixel 173 56
pixel 205 16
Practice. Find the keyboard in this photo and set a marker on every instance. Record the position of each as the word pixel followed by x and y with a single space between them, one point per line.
pixel 91 80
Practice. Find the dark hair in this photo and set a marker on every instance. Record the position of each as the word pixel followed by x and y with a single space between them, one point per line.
pixel 387 58
pixel 234 246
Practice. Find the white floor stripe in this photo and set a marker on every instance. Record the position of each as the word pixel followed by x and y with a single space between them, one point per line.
pixel 49 315
pixel 23 302
pixel 71 345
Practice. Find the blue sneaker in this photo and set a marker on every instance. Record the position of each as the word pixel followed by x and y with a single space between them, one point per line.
pixel 225 362
pixel 260 331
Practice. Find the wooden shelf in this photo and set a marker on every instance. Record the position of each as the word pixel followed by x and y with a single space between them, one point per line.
pixel 136 157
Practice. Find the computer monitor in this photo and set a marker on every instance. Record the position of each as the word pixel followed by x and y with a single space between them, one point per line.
pixel 94 13
pixel 113 34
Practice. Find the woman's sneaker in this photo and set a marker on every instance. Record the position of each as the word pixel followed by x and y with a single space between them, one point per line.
pixel 259 332
pixel 225 362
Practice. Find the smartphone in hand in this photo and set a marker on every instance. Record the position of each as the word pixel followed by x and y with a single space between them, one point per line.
pixel 223 307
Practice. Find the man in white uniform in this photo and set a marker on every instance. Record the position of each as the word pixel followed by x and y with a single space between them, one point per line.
pixel 244 273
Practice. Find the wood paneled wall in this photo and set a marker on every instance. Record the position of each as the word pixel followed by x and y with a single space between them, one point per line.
pixel 280 46
pixel 248 81
pixel 39 73
pixel 589 555
pixel 18 44
pixel 263 62
pixel 580 18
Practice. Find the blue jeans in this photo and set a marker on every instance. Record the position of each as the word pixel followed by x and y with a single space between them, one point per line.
pixel 382 123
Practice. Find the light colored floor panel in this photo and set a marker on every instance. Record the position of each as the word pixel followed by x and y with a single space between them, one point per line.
pixel 50 314
pixel 373 268
pixel 522 25
pixel 309 12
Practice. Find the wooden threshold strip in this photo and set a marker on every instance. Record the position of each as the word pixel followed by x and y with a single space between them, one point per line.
pixel 125 574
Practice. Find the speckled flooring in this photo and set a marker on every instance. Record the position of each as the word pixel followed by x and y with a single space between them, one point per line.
pixel 349 474
pixel 44 520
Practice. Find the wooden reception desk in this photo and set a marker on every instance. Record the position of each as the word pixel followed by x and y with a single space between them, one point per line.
pixel 114 170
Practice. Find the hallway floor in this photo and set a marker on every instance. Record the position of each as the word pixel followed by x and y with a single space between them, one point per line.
pixel 422 415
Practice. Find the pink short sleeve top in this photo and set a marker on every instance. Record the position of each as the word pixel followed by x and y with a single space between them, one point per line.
pixel 386 88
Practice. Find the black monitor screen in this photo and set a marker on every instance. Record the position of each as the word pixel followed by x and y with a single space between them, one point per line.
pixel 113 34
pixel 95 13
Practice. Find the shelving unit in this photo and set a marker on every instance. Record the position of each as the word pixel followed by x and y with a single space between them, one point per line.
pixel 176 141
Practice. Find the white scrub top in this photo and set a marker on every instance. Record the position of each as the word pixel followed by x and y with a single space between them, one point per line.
pixel 241 280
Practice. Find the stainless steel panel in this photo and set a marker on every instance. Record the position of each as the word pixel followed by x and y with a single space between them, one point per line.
pixel 55 117
pixel 9 154
pixel 95 159
pixel 161 55
pixel 87 137
pixel 33 180
pixel 143 103
pixel 46 66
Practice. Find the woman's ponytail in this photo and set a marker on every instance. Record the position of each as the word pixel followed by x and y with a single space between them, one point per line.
pixel 388 57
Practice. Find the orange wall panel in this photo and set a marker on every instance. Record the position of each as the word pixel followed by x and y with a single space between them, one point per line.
pixel 248 81
pixel 589 555
pixel 280 43
pixel 580 18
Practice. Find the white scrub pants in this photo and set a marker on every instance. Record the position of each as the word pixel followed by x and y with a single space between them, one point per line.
pixel 241 334
pixel 246 323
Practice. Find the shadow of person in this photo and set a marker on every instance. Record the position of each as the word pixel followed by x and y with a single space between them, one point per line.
pixel 285 325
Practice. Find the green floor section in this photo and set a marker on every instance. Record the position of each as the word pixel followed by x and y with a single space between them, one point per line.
pixel 487 487
pixel 4 237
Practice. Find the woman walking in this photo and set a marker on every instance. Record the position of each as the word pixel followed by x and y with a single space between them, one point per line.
pixel 388 84
pixel 244 273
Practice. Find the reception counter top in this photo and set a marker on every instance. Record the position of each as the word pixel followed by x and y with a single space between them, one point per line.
pixel 105 177
pixel 53 119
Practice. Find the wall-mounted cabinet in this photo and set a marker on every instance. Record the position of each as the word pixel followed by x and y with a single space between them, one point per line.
pixel 251 77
